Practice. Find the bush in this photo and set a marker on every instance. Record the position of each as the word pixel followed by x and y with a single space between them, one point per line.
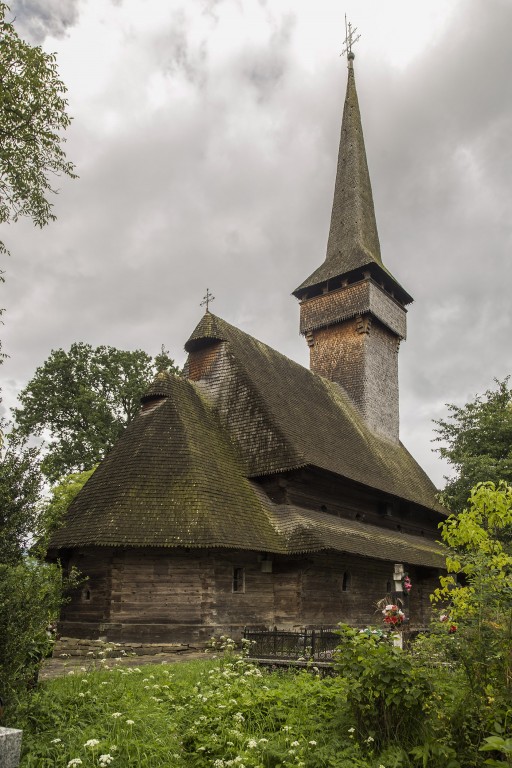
pixel 386 693
pixel 30 596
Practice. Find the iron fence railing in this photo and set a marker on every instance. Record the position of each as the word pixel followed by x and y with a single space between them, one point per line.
pixel 316 644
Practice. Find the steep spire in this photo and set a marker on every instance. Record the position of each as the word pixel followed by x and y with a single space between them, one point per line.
pixel 353 242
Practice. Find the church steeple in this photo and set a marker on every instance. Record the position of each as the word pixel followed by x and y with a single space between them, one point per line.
pixel 353 243
pixel 352 309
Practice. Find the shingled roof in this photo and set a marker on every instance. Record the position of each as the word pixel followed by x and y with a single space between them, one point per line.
pixel 180 475
pixel 304 419
pixel 353 238
pixel 172 479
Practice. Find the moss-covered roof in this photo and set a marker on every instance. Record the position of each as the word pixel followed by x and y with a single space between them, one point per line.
pixel 180 475
pixel 304 420
pixel 172 479
pixel 307 530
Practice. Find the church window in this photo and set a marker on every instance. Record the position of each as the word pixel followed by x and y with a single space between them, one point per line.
pixel 86 595
pixel 238 579
pixel 345 584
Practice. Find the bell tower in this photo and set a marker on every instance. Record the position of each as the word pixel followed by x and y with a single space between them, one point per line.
pixel 352 310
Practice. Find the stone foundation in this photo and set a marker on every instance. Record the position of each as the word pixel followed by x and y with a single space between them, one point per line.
pixel 75 648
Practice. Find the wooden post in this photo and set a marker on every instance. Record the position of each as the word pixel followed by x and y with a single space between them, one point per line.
pixel 10 747
pixel 398 595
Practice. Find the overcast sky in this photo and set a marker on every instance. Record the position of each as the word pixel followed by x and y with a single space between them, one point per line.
pixel 206 133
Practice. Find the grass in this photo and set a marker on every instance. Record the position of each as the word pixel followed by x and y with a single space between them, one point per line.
pixel 227 712
pixel 223 712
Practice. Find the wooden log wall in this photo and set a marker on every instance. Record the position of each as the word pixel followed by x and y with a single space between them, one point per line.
pixel 178 596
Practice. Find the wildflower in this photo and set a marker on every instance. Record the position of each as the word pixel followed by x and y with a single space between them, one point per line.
pixel 55 741
pixel 313 743
pixel 91 743
pixel 252 744
pixel 294 744
pixel 351 730
pixel 82 695
pixel 238 717
pixel 370 739
pixel 218 764
pixel 74 761
pixel 286 728
pixel 105 759
pixel 130 722
pixel 71 672
pixel 116 714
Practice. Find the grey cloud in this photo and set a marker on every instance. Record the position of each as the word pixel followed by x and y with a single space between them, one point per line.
pixel 233 190
pixel 36 19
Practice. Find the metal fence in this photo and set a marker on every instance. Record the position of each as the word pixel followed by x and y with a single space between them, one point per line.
pixel 316 644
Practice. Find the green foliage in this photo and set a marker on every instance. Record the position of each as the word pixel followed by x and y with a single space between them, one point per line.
pixel 198 715
pixel 20 492
pixel 52 511
pixel 386 692
pixel 478 443
pixel 478 588
pixel 32 118
pixel 30 596
pixel 83 399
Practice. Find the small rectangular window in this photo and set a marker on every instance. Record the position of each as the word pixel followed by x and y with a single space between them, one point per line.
pixel 238 579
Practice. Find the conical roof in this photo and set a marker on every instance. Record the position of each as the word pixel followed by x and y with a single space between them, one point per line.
pixel 353 238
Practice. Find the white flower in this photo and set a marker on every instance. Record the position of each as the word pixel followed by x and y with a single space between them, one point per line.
pixel 91 743
pixel 105 759
pixel 130 722
pixel 252 743
pixel 351 730
pixel 238 717
pixel 82 695
pixel 370 739
pixel 74 761
pixel 116 714
pixel 55 741
pixel 313 743
pixel 295 744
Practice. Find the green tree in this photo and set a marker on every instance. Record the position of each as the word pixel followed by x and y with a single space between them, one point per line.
pixel 20 494
pixel 33 117
pixel 477 591
pixel 80 402
pixel 477 442
pixel 54 508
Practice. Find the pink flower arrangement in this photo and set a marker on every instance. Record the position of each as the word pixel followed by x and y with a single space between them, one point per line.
pixel 407 584
pixel 393 615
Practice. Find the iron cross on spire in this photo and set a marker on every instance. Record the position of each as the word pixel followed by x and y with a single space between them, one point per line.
pixel 350 39
pixel 207 299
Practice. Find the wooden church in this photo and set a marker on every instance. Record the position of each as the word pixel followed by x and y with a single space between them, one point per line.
pixel 254 492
